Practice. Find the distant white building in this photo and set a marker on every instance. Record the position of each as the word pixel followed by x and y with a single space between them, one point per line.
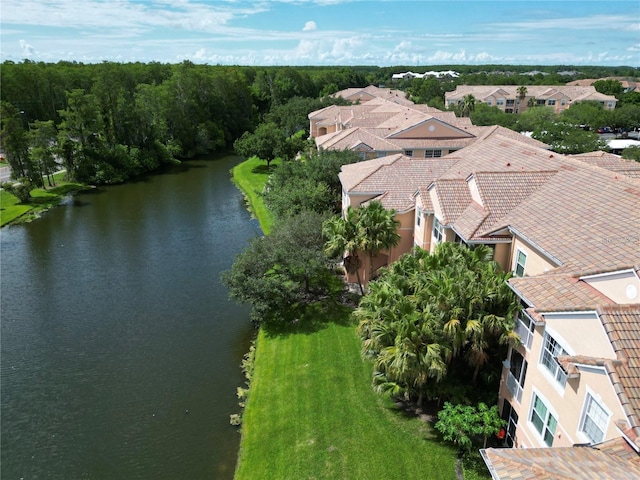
pixel 412 75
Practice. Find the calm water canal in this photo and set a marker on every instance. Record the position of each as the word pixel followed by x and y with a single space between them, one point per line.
pixel 120 349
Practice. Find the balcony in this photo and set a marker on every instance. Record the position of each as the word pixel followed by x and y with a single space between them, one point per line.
pixel 514 387
pixel 524 328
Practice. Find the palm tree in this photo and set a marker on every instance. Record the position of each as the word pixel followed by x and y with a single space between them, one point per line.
pixel 369 229
pixel 378 230
pixel 341 234
pixel 467 105
pixel 522 92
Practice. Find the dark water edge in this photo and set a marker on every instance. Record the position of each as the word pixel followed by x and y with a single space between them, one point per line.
pixel 120 349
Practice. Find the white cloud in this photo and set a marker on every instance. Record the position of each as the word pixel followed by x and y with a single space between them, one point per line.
pixel 27 50
pixel 309 26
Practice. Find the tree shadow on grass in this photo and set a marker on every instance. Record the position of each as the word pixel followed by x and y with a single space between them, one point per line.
pixel 263 169
pixel 315 317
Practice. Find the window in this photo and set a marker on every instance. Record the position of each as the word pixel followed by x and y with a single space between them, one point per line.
pixel 541 102
pixel 438 230
pixel 508 110
pixel 517 374
pixel 510 415
pixel 432 153
pixel 521 260
pixel 551 102
pixel 418 216
pixel 510 102
pixel 408 153
pixel 563 102
pixel 594 420
pixel 542 420
pixel 489 102
pixel 550 351
pixel 500 101
pixel 525 328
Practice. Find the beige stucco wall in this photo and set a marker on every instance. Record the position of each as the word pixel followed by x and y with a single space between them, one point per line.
pixel 502 255
pixel 422 233
pixel 536 263
pixel 432 129
pixel 622 287
pixel 580 333
pixel 566 404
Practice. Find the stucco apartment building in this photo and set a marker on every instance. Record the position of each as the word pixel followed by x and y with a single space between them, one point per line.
pixel 568 227
pixel 509 98
pixel 389 123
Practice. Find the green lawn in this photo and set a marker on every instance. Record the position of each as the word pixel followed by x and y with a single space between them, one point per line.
pixel 41 199
pixel 312 414
pixel 251 176
pixel 10 209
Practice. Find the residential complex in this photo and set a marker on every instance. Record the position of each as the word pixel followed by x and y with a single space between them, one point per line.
pixel 568 227
pixel 516 99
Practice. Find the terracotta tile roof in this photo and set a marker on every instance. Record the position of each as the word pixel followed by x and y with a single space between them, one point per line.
pixel 611 162
pixel 379 120
pixel 371 91
pixel 501 192
pixel 352 174
pixel 396 176
pixel 553 292
pixel 541 92
pixel 583 216
pixel 622 324
pixel 466 225
pixel 453 196
pixel 613 460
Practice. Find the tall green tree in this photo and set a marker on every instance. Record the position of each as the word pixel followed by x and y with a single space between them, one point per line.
pixel 43 141
pixel 15 142
pixel 281 273
pixel 267 143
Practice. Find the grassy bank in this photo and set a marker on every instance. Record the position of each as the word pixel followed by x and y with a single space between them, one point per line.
pixel 251 176
pixel 312 412
pixel 11 210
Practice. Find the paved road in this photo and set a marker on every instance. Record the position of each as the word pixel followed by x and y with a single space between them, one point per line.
pixel 5 174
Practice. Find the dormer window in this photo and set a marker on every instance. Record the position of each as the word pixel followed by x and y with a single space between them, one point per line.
pixel 521 261
pixel 438 231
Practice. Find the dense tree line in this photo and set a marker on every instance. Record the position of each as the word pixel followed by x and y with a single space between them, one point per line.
pixel 109 122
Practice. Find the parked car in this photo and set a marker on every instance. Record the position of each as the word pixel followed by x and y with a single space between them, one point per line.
pixel 605 130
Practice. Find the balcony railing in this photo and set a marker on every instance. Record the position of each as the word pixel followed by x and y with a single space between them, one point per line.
pixel 523 331
pixel 514 387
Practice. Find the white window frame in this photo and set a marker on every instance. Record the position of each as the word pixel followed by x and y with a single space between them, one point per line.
pixel 433 153
pixel 516 263
pixel 408 153
pixel 418 217
pixel 515 384
pixel 602 415
pixel 437 231
pixel 500 102
pixel 551 102
pixel 525 328
pixel 547 431
pixel 550 350
pixel 489 102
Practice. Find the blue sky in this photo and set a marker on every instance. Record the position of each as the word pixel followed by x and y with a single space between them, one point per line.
pixel 323 32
